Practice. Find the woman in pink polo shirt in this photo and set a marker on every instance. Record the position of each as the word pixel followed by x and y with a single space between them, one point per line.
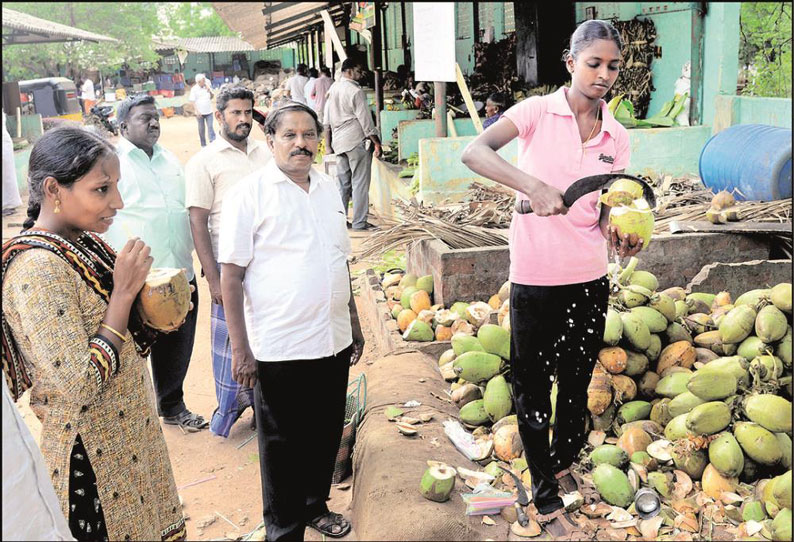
pixel 559 255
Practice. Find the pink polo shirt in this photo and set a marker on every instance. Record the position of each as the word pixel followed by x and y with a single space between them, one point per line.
pixel 561 249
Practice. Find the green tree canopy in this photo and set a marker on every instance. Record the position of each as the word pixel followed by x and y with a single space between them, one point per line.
pixel 195 20
pixel 765 47
pixel 132 23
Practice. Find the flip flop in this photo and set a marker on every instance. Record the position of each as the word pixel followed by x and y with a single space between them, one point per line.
pixel 331 524
pixel 188 421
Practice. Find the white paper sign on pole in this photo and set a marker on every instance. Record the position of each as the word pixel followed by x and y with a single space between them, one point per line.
pixel 434 41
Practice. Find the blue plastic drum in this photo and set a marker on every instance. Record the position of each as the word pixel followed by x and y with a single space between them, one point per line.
pixel 755 159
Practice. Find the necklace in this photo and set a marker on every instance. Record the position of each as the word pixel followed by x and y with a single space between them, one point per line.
pixel 598 114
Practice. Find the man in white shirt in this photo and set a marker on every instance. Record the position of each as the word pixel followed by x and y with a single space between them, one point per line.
pixel 296 84
pixel 201 96
pixel 308 89
pixel 88 95
pixel 348 127
pixel 292 320
pixel 320 91
pixel 11 197
pixel 211 173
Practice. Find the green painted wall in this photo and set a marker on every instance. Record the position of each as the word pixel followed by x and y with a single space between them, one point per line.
pixel 730 110
pixel 21 160
pixel 410 132
pixel 441 173
pixel 721 54
pixel 390 119
pixel 386 185
pixel 668 151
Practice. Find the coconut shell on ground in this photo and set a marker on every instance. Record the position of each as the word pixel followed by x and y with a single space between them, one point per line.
pixel 164 300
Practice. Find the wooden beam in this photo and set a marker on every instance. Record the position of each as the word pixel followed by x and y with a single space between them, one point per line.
pixel 464 90
pixel 304 14
pixel 747 227
pixel 329 27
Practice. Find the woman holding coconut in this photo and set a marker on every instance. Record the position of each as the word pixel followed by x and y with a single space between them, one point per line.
pixel 69 335
pixel 559 255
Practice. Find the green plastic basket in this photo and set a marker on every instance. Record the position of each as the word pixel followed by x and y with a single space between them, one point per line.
pixel 354 411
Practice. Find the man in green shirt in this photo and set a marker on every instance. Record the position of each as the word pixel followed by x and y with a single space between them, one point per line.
pixel 152 186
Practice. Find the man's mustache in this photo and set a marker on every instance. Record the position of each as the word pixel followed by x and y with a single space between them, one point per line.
pixel 296 152
pixel 244 124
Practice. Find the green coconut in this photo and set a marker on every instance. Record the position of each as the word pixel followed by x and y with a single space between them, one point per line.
pixel 752 347
pixel 474 366
pixel 757 443
pixel 474 413
pixel 726 455
pixel 675 332
pixel 660 412
pixel 753 297
pixel 735 365
pixel 494 470
pixel 782 489
pixel 613 329
pixel 655 348
pixel 418 331
pixel 770 324
pixel 673 384
pixel 637 218
pixel 664 304
pixel 781 525
pixel 495 340
pixel 636 331
pixel 771 412
pixel 437 483
pixel 655 320
pixel 409 279
pixel 781 296
pixel 683 403
pixel 783 349
pixel 405 297
pixel 785 447
pixel 677 428
pixel 466 343
pixel 710 385
pixel 609 454
pixel 425 283
pixel 448 356
pixel 633 411
pixel 497 399
pixel 691 462
pixel 662 482
pixel 645 279
pixel 396 309
pixel 634 295
pixel 708 418
pixel 753 511
pixel 613 485
pixel 737 325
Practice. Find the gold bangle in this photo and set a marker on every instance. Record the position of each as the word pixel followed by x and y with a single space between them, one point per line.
pixel 114 332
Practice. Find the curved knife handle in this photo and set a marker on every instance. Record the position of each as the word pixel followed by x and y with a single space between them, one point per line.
pixel 522 207
pixel 523 520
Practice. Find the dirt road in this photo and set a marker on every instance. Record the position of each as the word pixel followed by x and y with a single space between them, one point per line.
pixel 227 502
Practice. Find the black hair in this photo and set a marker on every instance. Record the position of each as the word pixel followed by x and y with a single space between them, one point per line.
pixel 274 116
pixel 65 153
pixel 126 106
pixel 349 63
pixel 301 69
pixel 326 71
pixel 313 72
pixel 590 31
pixel 232 92
pixel 499 99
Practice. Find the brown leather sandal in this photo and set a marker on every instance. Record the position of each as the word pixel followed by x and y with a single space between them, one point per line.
pixel 560 526
pixel 570 481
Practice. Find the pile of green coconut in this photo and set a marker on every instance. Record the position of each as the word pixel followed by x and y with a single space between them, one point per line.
pixel 690 396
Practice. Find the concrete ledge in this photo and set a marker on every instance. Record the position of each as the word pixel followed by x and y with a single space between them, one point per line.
pixel 385 185
pixel 477 273
pixel 390 119
pixel 385 327
pixel 738 278
pixel 730 110
pixel 410 132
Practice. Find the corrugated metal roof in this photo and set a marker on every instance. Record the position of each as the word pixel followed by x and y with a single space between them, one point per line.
pixel 268 24
pixel 26 28
pixel 215 44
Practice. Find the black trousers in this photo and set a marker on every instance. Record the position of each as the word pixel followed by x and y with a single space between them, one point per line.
pixel 555 330
pixel 170 358
pixel 300 414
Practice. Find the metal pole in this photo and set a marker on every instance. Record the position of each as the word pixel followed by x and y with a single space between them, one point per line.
pixel 406 53
pixel 440 91
pixel 376 48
